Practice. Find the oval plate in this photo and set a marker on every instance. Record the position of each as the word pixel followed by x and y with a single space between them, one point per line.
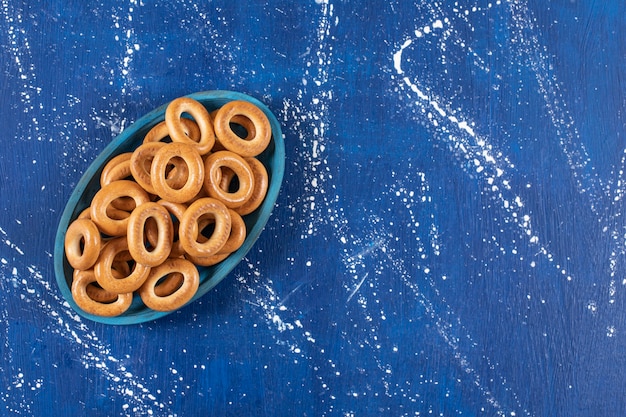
pixel 273 158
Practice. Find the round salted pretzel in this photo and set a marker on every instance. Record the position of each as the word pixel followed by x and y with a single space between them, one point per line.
pixel 195 168
pixel 111 281
pixel 170 272
pixel 176 128
pixel 235 240
pixel 82 244
pixel 189 230
pixel 136 235
pixel 258 128
pixel 109 220
pixel 95 302
pixel 214 165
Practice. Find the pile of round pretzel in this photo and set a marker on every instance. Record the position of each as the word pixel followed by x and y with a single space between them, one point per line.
pixel 174 203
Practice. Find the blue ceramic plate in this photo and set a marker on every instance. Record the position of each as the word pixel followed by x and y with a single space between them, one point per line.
pixel 273 158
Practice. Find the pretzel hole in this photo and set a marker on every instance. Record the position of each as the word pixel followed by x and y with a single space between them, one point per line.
pixel 186 129
pixel 239 130
pixel 208 230
pixel 151 234
pixel 168 284
pixel 176 173
pixel 115 213
pixel 207 227
pixel 230 183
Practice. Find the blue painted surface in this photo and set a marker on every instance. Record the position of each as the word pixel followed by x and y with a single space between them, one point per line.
pixel 449 237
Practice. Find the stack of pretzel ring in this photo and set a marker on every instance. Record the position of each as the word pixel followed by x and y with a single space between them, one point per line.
pixel 176 202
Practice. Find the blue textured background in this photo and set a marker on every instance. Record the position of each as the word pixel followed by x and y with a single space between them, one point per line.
pixel 449 237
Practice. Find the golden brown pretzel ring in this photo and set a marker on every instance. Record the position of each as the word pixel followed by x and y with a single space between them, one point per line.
pixel 82 244
pixel 141 163
pixel 189 230
pixel 201 116
pixel 261 183
pixel 181 295
pixel 103 215
pixel 213 166
pixel 258 128
pixel 234 242
pixel 137 237
pixel 104 269
pixel 195 177
pixel 160 131
pixel 83 295
pixel 241 121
